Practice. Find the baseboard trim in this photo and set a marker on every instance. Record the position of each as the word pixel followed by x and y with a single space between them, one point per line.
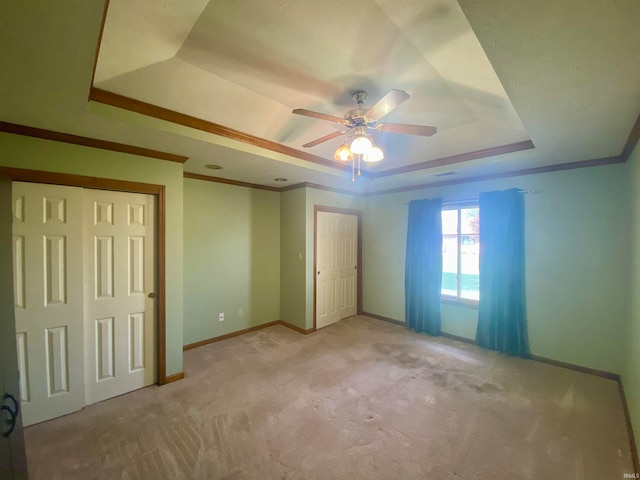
pixel 384 319
pixel 557 363
pixel 578 368
pixel 219 338
pixel 173 378
pixel 627 416
pixel 296 328
pixel 470 341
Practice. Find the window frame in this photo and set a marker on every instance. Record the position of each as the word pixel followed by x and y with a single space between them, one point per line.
pixel 450 299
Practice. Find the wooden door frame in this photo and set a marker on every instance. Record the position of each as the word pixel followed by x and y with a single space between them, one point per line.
pixel 70 180
pixel 345 211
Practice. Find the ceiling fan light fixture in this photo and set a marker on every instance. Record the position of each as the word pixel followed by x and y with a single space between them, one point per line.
pixel 361 144
pixel 374 155
pixel 343 153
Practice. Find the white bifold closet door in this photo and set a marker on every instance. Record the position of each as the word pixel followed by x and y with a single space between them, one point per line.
pixel 47 275
pixel 83 265
pixel 119 289
pixel 336 265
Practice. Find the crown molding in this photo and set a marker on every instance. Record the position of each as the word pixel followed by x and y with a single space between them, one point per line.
pixel 161 113
pixel 237 183
pixel 26 131
pixel 459 158
pixel 516 173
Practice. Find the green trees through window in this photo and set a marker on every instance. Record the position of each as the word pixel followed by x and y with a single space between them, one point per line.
pixel 460 253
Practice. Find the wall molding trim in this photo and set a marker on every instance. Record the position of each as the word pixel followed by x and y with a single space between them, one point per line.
pixel 159 191
pixel 627 416
pixel 161 113
pixel 317 186
pixel 43 134
pixel 207 178
pixel 116 100
pixel 145 152
pixel 226 336
pixel 459 158
pixel 237 333
pixel 577 368
pixel 516 173
pixel 173 378
pixel 383 318
pixel 632 141
pixel 425 186
pixel 296 328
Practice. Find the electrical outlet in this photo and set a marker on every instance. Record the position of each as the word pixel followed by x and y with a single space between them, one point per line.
pixel 221 317
pixel 240 312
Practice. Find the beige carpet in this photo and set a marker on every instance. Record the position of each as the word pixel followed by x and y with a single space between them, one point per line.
pixel 362 399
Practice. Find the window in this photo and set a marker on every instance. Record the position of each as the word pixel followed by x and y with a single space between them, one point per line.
pixel 460 253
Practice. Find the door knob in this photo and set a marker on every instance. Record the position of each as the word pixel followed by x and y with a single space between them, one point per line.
pixel 152 295
pixel 16 404
pixel 13 413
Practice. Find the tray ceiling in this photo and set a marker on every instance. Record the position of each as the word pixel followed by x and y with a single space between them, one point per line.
pixel 496 77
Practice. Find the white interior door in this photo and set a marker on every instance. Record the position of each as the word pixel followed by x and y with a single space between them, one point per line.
pixel 120 320
pixel 13 461
pixel 328 271
pixel 48 297
pixel 336 262
pixel 348 235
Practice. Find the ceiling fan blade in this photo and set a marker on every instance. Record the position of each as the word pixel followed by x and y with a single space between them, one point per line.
pixel 387 103
pixel 321 116
pixel 407 129
pixel 326 138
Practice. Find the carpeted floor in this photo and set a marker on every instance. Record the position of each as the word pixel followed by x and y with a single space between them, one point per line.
pixel 362 399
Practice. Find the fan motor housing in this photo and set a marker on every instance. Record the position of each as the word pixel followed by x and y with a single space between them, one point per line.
pixel 356 117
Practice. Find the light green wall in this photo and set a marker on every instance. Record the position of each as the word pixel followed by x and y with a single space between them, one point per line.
pixel 36 154
pixel 576 229
pixel 231 258
pixel 631 369
pixel 293 254
pixel 327 199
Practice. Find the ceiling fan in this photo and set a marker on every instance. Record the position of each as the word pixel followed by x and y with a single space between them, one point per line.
pixel 357 121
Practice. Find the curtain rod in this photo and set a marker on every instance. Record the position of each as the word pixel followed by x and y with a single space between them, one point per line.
pixel 476 197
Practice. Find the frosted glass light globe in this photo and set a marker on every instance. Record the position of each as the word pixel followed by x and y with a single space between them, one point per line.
pixel 343 154
pixel 361 145
pixel 373 155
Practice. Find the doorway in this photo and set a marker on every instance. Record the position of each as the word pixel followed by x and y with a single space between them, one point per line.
pixel 158 194
pixel 337 271
pixel 84 276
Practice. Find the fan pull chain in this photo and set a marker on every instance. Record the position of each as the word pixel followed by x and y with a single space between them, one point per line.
pixel 353 172
pixel 359 157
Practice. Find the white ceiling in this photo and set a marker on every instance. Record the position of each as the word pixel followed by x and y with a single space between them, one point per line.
pixel 487 73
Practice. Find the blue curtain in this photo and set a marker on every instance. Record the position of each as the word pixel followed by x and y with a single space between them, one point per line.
pixel 502 322
pixel 423 266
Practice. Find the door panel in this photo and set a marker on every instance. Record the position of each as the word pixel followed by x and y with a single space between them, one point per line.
pixel 48 299
pixel 83 265
pixel 13 463
pixel 328 273
pixel 336 262
pixel 120 324
pixel 348 266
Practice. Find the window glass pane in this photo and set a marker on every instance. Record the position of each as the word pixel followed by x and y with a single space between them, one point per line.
pixel 470 221
pixel 449 221
pixel 469 254
pixel 449 264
